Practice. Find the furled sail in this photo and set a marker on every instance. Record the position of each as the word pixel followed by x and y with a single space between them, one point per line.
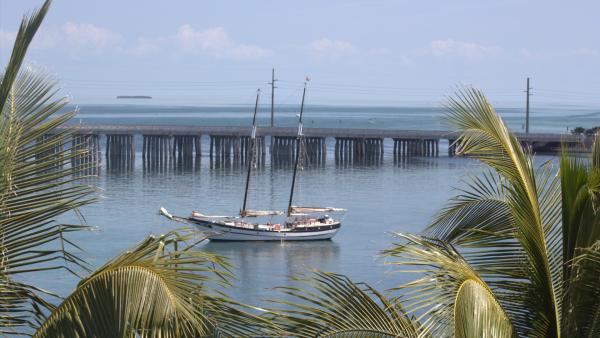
pixel 307 210
pixel 196 214
pixel 257 213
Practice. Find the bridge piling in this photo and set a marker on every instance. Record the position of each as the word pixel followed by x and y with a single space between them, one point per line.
pixel 415 147
pixel 50 147
pixel 120 152
pixel 227 150
pixel 158 151
pixel 357 150
pixel 85 151
pixel 185 150
pixel 451 148
pixel 284 149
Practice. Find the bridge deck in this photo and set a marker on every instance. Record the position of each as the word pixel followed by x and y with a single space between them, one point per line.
pixel 316 132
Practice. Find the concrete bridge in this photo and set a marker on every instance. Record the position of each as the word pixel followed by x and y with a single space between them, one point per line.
pixel 292 131
pixel 161 144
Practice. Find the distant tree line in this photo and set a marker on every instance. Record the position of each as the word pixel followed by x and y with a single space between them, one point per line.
pixel 586 132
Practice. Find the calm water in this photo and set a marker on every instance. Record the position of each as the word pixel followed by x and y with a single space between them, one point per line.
pixel 550 119
pixel 381 200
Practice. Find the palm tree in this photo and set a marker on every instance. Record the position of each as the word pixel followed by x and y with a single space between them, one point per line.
pixel 155 290
pixel 331 305
pixel 515 253
pixel 160 287
pixel 34 189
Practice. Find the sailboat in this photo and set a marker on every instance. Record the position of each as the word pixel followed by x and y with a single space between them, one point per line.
pixel 300 224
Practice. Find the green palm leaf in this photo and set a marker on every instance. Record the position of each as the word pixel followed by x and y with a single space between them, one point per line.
pixel 580 181
pixel 27 30
pixel 154 290
pixel 583 298
pixel 479 221
pixel 331 305
pixel 478 314
pixel 449 297
pixel 36 184
pixel 478 217
pixel 577 208
pixel 596 152
pixel 533 198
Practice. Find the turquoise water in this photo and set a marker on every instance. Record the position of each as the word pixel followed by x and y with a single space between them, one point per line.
pixel 553 119
pixel 380 200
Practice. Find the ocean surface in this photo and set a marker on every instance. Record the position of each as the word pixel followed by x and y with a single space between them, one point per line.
pixel 549 119
pixel 383 199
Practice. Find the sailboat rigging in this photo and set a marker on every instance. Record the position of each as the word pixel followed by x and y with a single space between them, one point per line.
pixel 300 224
pixel 251 157
pixel 299 141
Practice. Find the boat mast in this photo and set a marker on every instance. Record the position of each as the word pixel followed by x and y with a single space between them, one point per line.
pixel 299 140
pixel 251 157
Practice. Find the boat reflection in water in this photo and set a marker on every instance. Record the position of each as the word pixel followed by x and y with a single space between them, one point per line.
pixel 259 266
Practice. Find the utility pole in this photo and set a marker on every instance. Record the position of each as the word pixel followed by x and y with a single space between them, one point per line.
pixel 272 83
pixel 527 108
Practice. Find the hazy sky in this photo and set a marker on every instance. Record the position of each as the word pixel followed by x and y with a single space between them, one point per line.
pixel 355 52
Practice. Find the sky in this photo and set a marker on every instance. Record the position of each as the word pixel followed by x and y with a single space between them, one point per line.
pixel 355 52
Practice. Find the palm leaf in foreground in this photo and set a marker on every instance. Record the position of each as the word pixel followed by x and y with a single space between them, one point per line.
pixel 449 298
pixel 580 183
pixel 29 26
pixel 478 314
pixel 529 237
pixel 583 297
pixel 154 290
pixel 331 305
pixel 479 223
pixel 35 185
pixel 580 187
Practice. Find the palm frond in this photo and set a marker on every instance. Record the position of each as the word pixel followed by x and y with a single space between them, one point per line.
pixel 594 176
pixel 596 151
pixel 446 283
pixel 534 202
pixel 478 216
pixel 331 305
pixel 582 304
pixel 21 307
pixel 580 183
pixel 36 183
pixel 478 314
pixel 35 187
pixel 576 208
pixel 154 290
pixel 479 222
pixel 27 30
pixel 499 260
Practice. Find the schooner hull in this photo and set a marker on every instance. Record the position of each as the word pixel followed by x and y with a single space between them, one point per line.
pixel 231 233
